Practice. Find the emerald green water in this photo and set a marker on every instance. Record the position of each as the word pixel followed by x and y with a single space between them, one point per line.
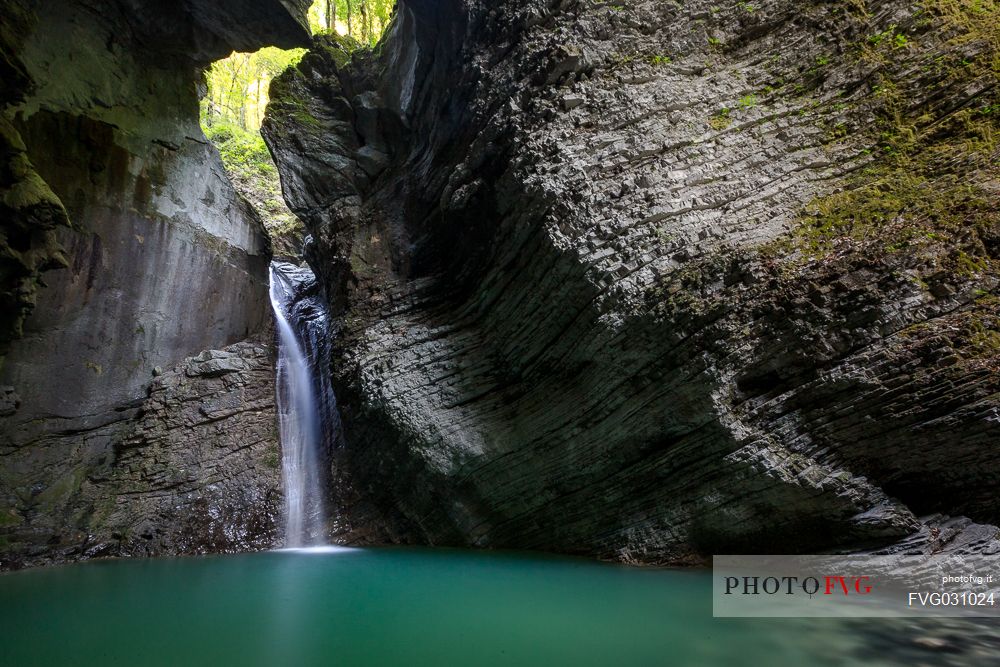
pixel 408 607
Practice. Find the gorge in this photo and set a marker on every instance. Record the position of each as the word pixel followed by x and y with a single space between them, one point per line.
pixel 306 410
pixel 558 282
pixel 578 308
pixel 636 281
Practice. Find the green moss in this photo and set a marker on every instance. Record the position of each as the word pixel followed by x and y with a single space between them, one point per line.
pixel 305 118
pixel 974 332
pixel 970 21
pixel 338 48
pixel 61 490
pixel 31 191
pixel 983 330
pixel 271 460
pixel 9 517
pixel 26 189
pixel 361 268
pixel 102 511
pixel 924 185
pixel 721 120
pixel 286 105
pixel 901 204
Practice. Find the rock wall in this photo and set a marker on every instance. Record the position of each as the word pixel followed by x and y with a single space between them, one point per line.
pixel 108 174
pixel 653 280
pixel 30 211
pixel 197 470
pixel 200 470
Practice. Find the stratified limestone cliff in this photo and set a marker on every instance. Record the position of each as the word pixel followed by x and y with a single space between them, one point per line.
pixel 104 171
pixel 196 471
pixel 30 211
pixel 650 280
pixel 200 470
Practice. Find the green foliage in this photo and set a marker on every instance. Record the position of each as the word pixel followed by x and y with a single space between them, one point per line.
pixel 240 150
pixel 252 171
pixel 924 185
pixel 889 36
pixel 363 20
pixel 238 85
pixel 721 120
pixel 239 88
pixel 659 60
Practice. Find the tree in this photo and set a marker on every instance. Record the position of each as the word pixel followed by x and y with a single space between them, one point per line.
pixel 238 85
pixel 331 14
pixel 364 20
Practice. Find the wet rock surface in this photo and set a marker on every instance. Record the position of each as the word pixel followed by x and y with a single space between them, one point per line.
pixel 106 177
pixel 200 470
pixel 196 470
pixel 595 289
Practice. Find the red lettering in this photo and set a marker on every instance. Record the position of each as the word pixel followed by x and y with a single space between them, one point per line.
pixel 831 585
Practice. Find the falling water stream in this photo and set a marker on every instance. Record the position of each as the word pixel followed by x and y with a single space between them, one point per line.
pixel 299 418
pixel 375 607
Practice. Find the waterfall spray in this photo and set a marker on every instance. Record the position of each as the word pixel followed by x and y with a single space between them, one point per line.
pixel 299 422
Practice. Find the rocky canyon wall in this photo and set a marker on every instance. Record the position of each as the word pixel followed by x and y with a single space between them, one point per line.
pixel 107 175
pixel 652 280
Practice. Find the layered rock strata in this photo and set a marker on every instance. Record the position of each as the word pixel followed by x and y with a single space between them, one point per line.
pixel 649 280
pixel 104 171
pixel 197 470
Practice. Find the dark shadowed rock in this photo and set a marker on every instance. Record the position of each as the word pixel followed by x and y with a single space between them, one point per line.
pixel 197 470
pixel 672 321
pixel 104 172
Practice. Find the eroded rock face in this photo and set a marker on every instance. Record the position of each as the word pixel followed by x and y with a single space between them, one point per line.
pixel 105 171
pixel 30 211
pixel 610 283
pixel 197 471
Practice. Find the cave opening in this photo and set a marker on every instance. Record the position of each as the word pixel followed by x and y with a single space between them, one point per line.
pixel 235 95
pixel 233 100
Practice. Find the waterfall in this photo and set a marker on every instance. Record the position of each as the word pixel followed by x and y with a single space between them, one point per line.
pixel 302 404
